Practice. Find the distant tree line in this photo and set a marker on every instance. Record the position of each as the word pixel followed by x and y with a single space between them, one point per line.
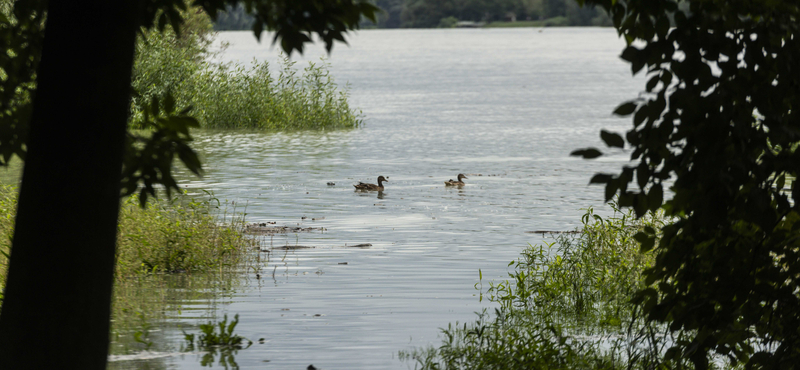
pixel 435 13
pixel 446 13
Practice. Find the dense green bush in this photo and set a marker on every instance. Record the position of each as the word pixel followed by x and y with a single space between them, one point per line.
pixel 566 306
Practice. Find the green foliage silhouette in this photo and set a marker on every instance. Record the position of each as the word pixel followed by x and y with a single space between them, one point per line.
pixel 718 127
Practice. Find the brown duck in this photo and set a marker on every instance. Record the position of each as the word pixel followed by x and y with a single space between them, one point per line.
pixel 458 182
pixel 364 186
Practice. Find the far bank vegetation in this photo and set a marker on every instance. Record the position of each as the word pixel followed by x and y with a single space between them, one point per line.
pixel 448 13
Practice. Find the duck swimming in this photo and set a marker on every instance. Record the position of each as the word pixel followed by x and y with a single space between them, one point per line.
pixel 364 186
pixel 458 182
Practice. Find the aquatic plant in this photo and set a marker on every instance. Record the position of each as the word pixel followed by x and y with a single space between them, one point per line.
pixel 145 302
pixel 210 337
pixel 183 234
pixel 566 305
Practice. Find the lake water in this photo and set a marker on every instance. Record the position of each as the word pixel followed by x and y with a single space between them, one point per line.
pixel 503 106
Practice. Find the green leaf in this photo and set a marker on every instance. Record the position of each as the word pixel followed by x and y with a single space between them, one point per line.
pixel 611 189
pixel 601 178
pixel 169 103
pixel 612 139
pixel 655 197
pixel 651 84
pixel 589 153
pixel 626 108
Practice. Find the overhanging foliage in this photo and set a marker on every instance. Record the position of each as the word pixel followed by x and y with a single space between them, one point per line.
pixel 716 123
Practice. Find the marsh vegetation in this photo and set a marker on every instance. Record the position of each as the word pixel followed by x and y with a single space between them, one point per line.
pixel 232 94
pixel 566 304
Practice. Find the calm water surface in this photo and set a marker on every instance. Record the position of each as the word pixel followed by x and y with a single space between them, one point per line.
pixel 504 106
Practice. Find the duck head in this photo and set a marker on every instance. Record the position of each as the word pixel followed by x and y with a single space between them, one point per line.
pixel 382 179
pixel 461 176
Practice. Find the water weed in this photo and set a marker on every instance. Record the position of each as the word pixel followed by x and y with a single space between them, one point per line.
pixel 566 305
pixel 223 343
pixel 210 337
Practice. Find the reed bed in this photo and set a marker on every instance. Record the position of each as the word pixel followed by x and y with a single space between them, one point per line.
pixel 232 95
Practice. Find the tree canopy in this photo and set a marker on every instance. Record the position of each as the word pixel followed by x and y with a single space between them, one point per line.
pixel 716 127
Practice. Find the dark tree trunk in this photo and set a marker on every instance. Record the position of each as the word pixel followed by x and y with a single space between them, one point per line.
pixel 58 294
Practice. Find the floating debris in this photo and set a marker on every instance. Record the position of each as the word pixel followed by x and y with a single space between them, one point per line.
pixel 292 247
pixel 262 229
pixel 365 245
pixel 331 184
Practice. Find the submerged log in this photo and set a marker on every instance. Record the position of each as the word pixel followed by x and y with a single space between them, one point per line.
pixel 292 247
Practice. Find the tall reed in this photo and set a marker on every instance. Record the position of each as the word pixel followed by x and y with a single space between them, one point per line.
pixel 231 95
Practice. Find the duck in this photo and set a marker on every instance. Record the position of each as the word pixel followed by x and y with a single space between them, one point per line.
pixel 458 182
pixel 364 186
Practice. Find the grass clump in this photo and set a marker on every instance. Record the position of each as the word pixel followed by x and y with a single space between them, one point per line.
pixel 566 306
pixel 8 210
pixel 179 235
pixel 183 234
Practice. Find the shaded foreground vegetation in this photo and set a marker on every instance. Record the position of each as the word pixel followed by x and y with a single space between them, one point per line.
pixel 567 305
pixel 179 235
